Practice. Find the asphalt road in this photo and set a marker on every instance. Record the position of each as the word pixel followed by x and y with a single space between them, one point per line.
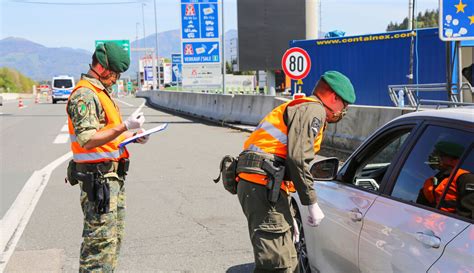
pixel 177 220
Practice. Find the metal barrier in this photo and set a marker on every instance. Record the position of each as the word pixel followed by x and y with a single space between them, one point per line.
pixel 440 103
pixel 411 92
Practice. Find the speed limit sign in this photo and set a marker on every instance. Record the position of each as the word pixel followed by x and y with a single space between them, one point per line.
pixel 296 63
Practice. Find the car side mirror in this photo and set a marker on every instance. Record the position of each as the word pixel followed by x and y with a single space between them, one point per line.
pixel 325 169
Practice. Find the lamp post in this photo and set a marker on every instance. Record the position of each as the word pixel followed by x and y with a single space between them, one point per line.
pixel 156 47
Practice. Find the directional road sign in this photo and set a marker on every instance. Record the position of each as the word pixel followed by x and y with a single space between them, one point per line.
pixel 456 20
pixel 296 63
pixel 176 67
pixel 199 19
pixel 201 52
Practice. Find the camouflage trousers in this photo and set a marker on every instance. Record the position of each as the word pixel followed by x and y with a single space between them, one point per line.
pixel 270 228
pixel 103 233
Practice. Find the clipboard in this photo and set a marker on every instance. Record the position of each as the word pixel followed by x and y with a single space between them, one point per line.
pixel 145 133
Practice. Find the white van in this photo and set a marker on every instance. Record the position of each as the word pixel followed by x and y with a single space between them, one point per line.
pixel 61 87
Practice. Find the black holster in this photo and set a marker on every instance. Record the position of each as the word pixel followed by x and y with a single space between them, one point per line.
pixel 97 189
pixel 123 166
pixel 275 173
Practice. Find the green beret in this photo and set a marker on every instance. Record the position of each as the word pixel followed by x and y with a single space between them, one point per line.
pixel 112 57
pixel 450 148
pixel 341 85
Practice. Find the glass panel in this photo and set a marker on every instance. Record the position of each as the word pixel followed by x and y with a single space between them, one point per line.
pixel 463 188
pixel 427 170
pixel 371 171
pixel 62 83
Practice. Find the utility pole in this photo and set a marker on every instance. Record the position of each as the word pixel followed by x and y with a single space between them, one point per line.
pixel 411 26
pixel 223 47
pixel 156 46
pixel 312 22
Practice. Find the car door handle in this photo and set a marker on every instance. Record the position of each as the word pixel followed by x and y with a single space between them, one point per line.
pixel 355 214
pixel 428 238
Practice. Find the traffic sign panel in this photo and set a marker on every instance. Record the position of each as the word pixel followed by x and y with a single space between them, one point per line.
pixel 201 52
pixel 456 20
pixel 296 63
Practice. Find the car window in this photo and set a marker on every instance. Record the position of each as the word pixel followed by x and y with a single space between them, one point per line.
pixel 377 158
pixel 463 187
pixel 426 173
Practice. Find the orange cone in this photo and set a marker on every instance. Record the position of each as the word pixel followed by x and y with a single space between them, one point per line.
pixel 20 103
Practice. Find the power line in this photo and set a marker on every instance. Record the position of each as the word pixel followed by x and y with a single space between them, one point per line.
pixel 78 3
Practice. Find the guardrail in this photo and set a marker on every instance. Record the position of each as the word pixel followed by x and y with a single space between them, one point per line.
pixel 411 92
pixel 440 103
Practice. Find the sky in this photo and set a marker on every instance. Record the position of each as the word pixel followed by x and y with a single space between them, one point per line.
pixel 77 25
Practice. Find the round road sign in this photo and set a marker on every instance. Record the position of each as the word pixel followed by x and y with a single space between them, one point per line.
pixel 296 63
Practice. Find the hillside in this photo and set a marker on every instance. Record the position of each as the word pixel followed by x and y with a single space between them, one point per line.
pixel 12 81
pixel 42 63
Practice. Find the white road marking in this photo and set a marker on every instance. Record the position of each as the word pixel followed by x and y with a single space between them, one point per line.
pixel 138 109
pixel 61 139
pixel 126 103
pixel 23 107
pixel 15 220
pixel 65 128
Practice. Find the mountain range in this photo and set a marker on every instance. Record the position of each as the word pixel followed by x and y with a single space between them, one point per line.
pixel 41 63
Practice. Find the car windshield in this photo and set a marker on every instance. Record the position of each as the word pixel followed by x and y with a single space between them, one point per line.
pixel 66 83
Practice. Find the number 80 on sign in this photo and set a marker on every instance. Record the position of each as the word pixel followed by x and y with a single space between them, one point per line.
pixel 296 63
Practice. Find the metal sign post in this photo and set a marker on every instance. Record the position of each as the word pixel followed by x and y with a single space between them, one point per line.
pixel 456 23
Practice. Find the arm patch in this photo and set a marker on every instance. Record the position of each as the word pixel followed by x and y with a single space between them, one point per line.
pixel 315 126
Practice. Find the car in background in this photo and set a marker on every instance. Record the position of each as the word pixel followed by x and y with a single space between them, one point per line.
pixel 377 217
pixel 62 87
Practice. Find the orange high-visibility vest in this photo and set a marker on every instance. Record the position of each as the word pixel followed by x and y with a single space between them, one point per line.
pixel 109 151
pixel 271 136
pixel 434 193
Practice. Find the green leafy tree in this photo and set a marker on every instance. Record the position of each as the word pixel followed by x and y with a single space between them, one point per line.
pixel 423 20
pixel 14 82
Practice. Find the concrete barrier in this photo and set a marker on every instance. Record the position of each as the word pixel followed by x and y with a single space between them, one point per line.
pixel 359 123
pixel 345 136
pixel 14 96
pixel 241 109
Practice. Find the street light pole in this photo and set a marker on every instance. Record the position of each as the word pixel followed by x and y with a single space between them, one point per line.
pixel 156 47
pixel 223 52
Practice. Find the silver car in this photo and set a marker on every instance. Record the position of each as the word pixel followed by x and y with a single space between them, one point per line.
pixel 396 205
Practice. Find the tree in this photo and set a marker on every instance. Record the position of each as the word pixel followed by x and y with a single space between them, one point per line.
pixel 14 82
pixel 423 20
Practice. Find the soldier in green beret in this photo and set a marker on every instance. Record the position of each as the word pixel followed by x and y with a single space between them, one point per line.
pixel 288 138
pixel 99 164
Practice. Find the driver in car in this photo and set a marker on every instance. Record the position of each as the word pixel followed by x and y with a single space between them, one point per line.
pixel 444 158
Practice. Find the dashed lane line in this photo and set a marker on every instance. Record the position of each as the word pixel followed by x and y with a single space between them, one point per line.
pixel 61 139
pixel 126 103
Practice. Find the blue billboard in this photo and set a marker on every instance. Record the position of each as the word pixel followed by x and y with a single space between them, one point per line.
pixel 176 68
pixel 373 62
pixel 456 20
pixel 201 52
pixel 199 19
pixel 148 73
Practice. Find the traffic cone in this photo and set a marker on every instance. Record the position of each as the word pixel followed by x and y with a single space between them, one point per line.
pixel 20 103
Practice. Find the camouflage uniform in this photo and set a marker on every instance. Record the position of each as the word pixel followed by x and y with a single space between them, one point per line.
pixel 102 233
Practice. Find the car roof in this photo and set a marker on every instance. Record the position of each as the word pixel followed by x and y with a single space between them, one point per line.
pixel 459 113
